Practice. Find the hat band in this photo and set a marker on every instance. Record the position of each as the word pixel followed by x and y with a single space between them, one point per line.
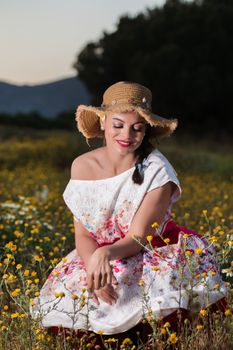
pixel 129 102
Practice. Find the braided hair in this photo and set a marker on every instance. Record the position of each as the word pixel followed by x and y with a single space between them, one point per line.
pixel 143 151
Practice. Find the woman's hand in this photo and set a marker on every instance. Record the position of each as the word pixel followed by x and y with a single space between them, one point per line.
pixel 99 270
pixel 107 294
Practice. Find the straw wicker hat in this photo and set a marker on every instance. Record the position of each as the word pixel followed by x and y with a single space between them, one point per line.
pixel 121 97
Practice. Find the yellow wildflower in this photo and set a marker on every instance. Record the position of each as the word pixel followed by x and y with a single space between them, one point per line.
pixel 188 252
pixel 38 330
pixel 59 295
pixel 198 251
pixel 74 296
pixel 155 225
pixel 11 278
pixel 163 331
pixel 227 312
pixel 37 258
pixel 18 266
pixel 141 283
pixel 11 246
pixel 167 325
pixel 173 338
pixel 149 238
pixel 199 327
pixel 40 336
pixel 110 340
pixel 149 318
pixel 127 341
pixel 203 312
pixel 213 239
pixel 166 240
pixel 16 292
pixel 221 232
pixel 15 315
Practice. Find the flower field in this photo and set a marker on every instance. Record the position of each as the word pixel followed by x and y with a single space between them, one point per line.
pixel 36 230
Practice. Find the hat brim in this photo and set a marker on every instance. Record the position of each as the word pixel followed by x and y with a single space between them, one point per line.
pixel 88 124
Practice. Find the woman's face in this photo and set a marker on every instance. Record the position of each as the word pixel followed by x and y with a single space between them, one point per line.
pixel 124 132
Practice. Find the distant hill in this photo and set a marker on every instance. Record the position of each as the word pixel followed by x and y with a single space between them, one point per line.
pixel 48 99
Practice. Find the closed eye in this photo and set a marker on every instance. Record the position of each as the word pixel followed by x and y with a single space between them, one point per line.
pixel 118 126
pixel 121 126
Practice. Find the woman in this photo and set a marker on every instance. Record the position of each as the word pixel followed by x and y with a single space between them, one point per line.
pixel 130 259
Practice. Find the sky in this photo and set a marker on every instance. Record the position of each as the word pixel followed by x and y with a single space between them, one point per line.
pixel 40 40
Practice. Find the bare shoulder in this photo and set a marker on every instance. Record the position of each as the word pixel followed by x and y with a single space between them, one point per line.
pixel 85 166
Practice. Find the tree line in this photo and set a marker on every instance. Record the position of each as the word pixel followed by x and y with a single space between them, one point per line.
pixel 64 120
pixel 182 51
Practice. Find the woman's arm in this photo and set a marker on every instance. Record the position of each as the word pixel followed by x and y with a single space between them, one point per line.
pixel 152 209
pixel 84 243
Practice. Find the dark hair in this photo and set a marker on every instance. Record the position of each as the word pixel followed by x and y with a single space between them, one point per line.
pixel 143 151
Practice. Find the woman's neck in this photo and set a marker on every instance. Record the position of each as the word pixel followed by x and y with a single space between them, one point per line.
pixel 117 163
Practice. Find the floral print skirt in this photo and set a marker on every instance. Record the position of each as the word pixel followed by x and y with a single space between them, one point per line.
pixel 176 270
